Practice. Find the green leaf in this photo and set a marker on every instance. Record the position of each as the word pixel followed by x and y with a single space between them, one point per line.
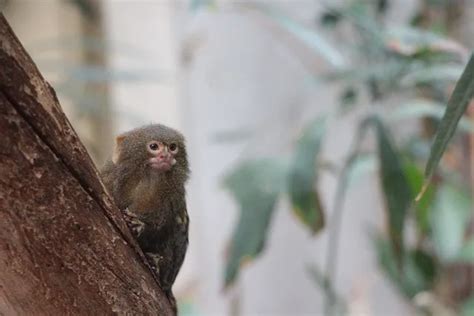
pixel 320 280
pixel 386 71
pixel 449 219
pixel 418 271
pixel 423 108
pixel 323 283
pixel 414 175
pixel 410 41
pixel 255 185
pixel 424 265
pixel 395 187
pixel 457 105
pixel 303 176
pixel 369 28
pixel 308 36
pixel 87 8
pixel 330 18
pixel 382 6
pixel 430 74
pixel 466 254
pixel 348 98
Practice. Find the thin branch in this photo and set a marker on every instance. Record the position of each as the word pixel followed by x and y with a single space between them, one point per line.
pixel 335 222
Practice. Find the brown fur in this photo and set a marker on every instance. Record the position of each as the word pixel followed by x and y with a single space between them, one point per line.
pixel 156 199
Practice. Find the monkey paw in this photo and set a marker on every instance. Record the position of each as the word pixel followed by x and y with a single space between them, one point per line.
pixel 136 225
pixel 154 260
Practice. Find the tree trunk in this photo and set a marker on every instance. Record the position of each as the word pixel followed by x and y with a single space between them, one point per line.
pixel 64 247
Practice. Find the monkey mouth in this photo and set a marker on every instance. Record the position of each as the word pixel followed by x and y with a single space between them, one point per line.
pixel 161 164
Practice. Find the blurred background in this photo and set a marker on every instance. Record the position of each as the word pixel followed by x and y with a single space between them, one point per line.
pixel 308 122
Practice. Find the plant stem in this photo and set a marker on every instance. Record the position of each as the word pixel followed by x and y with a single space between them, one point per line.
pixel 335 222
pixel 333 239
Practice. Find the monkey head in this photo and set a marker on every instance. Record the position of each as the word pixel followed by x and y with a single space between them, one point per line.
pixel 153 150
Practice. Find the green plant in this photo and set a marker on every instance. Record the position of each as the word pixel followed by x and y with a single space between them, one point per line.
pixel 418 65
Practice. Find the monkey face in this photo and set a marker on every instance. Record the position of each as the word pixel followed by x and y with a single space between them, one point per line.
pixel 162 155
pixel 153 149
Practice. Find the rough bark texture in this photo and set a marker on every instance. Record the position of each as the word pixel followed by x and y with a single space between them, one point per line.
pixel 64 247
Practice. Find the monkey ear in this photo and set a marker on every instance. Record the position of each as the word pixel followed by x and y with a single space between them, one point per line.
pixel 118 145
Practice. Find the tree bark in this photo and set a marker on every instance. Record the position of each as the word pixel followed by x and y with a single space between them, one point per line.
pixel 64 247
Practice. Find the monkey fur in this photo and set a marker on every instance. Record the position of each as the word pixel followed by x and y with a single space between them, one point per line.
pixel 146 178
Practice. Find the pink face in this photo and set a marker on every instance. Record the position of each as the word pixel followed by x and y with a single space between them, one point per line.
pixel 163 155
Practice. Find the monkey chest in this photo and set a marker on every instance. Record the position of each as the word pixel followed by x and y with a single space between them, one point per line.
pixel 165 230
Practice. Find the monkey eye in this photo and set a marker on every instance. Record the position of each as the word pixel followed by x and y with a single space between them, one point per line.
pixel 153 146
pixel 173 147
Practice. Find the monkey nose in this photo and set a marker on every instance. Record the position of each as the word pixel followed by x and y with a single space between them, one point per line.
pixel 164 156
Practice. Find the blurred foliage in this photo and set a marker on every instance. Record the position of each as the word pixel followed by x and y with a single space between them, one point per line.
pixel 88 8
pixel 417 109
pixel 395 187
pixel 449 219
pixel 256 185
pixel 307 36
pixel 419 64
pixel 417 272
pixel 304 197
pixel 455 109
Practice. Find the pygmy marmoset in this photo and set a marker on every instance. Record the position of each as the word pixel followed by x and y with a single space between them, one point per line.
pixel 146 178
